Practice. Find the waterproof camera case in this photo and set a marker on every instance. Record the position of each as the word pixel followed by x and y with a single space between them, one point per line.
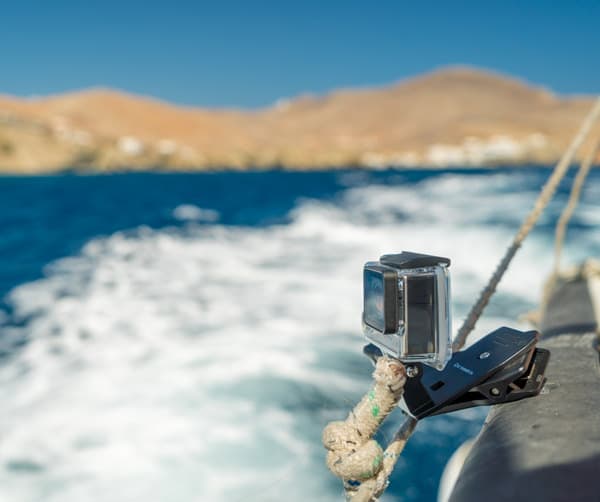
pixel 406 309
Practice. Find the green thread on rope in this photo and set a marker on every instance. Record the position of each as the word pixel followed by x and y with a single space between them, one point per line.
pixel 365 475
pixel 372 395
pixel 377 461
pixel 375 410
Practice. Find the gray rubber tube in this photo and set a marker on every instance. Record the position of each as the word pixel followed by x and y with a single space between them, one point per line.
pixel 546 448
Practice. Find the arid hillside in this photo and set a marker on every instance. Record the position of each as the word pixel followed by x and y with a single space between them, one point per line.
pixel 455 116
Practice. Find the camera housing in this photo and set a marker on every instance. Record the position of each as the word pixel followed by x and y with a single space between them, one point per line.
pixel 406 307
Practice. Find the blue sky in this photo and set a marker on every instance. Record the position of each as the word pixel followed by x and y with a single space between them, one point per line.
pixel 250 53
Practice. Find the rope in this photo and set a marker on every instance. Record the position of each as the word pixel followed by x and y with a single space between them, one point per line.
pixel 543 199
pixel 352 453
pixel 563 221
pixel 371 489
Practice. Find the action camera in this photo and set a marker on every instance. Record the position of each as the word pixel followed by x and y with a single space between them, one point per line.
pixel 406 307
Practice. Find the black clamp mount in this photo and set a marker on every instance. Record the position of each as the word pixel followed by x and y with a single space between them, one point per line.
pixel 503 366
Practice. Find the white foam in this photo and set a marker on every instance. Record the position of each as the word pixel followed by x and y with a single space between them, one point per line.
pixel 190 212
pixel 201 363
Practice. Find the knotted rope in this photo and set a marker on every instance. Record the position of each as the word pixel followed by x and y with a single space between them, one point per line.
pixel 352 454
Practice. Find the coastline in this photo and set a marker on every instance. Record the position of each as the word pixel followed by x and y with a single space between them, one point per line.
pixel 349 169
pixel 454 117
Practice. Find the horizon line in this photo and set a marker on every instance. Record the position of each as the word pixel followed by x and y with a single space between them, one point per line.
pixel 446 68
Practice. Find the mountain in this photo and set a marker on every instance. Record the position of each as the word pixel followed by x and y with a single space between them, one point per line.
pixel 453 116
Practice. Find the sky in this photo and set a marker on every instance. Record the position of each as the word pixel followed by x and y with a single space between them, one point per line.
pixel 251 53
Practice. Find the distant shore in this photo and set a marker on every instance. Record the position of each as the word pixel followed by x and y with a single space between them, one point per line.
pixel 454 117
pixel 74 171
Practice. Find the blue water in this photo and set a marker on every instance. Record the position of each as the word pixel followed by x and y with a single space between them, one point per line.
pixel 187 336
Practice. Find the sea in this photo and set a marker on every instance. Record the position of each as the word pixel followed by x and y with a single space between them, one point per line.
pixel 186 337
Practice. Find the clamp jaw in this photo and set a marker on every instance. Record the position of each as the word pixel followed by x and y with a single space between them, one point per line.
pixel 503 366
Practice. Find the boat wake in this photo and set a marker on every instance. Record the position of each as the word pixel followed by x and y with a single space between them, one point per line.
pixel 201 361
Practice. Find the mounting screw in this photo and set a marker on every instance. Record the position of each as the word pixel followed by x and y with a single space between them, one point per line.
pixel 412 371
pixel 495 391
pixel 484 355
